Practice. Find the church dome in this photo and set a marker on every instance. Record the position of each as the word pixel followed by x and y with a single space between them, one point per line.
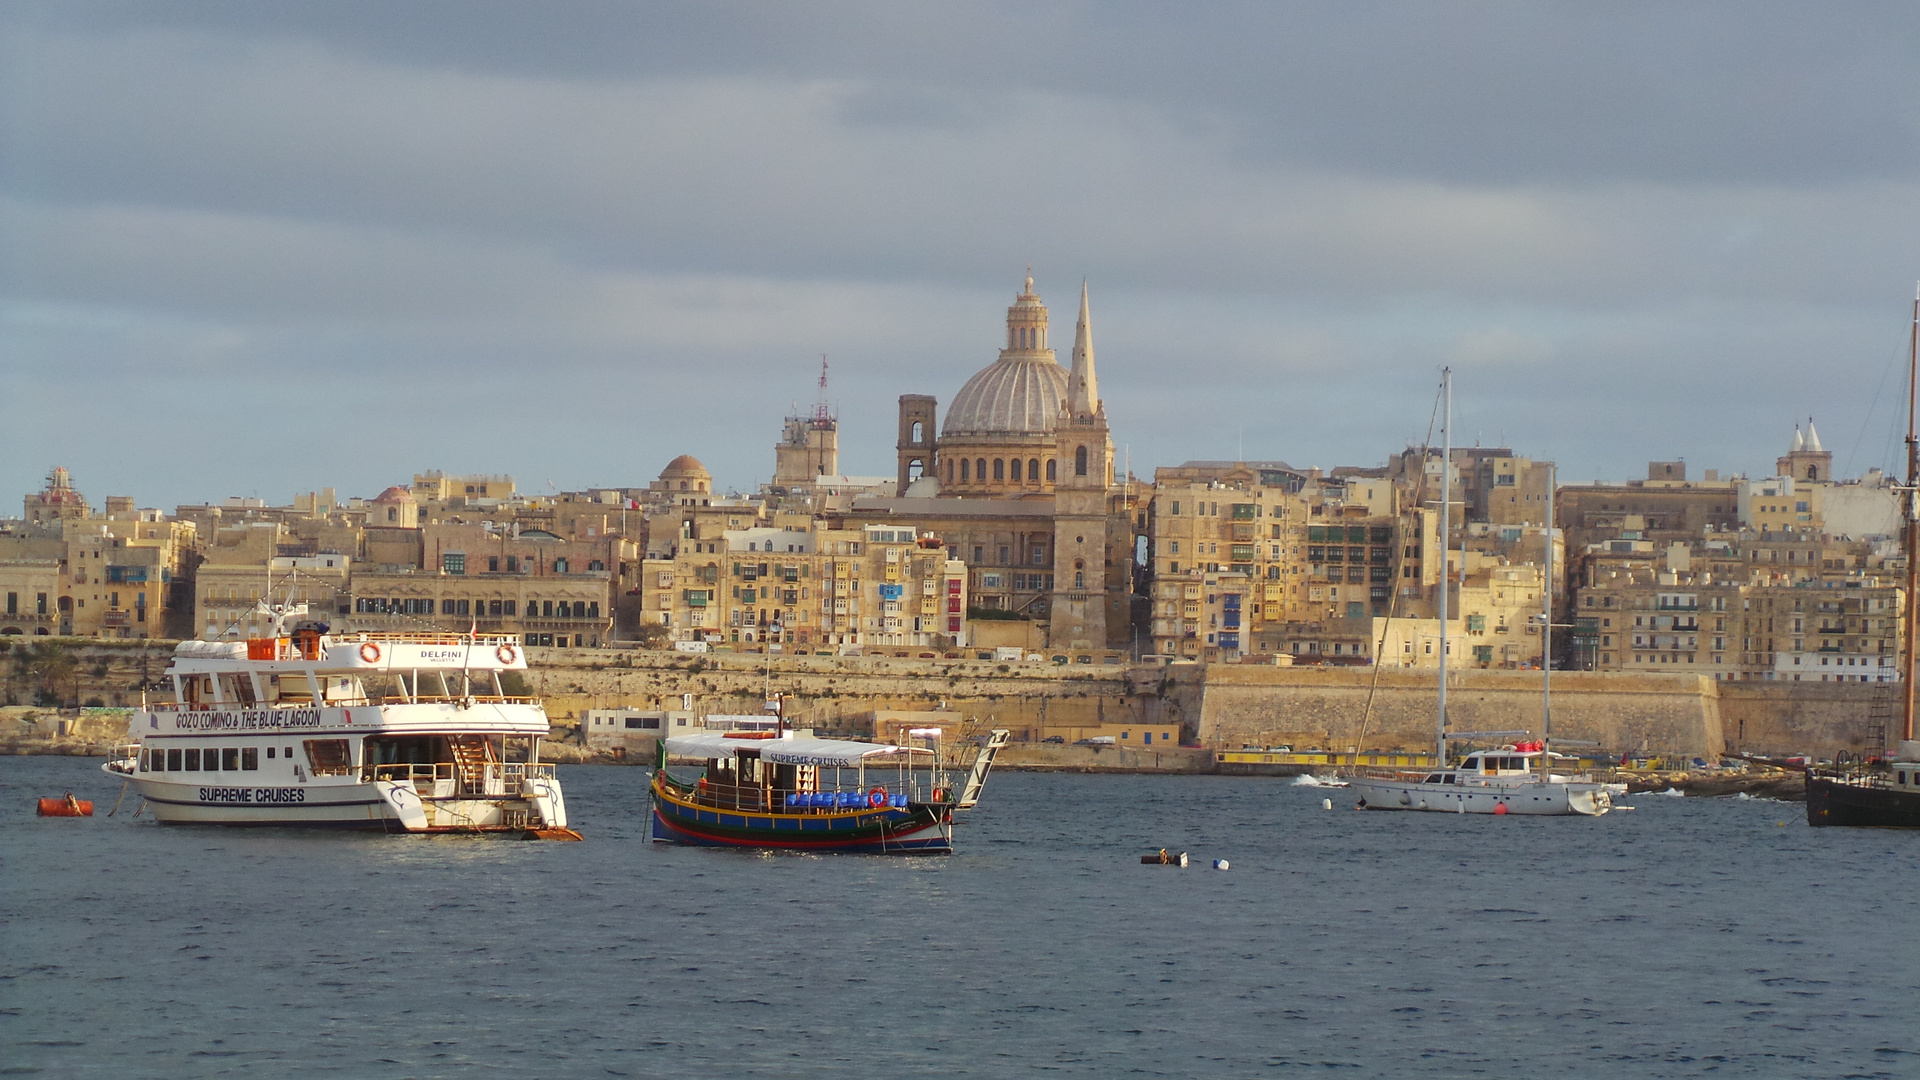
pixel 686 466
pixel 1020 393
pixel 1011 396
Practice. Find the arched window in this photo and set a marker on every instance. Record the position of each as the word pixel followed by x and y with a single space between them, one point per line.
pixel 914 469
pixel 683 485
pixel 1079 580
pixel 999 468
pixel 1079 461
pixel 1813 472
pixel 1033 469
pixel 963 468
pixel 1051 477
pixel 919 431
pixel 949 470
pixel 979 468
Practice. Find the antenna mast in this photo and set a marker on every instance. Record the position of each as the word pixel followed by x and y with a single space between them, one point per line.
pixel 821 413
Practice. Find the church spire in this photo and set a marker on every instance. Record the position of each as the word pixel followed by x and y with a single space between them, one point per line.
pixel 1083 387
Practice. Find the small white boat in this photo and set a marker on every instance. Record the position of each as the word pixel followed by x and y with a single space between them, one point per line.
pixel 1502 781
pixel 394 732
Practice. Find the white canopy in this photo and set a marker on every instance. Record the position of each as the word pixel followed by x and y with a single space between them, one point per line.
pixel 788 750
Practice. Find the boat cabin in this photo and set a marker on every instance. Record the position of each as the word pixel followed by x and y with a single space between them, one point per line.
pixel 786 773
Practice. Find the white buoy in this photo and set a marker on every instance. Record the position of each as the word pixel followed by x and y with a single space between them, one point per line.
pixel 1220 864
pixel 1326 804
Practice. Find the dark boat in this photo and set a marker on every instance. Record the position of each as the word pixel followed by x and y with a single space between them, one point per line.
pixel 788 791
pixel 1887 794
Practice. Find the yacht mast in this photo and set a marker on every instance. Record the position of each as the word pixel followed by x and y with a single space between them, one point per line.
pixel 1546 640
pixel 1446 469
pixel 1910 535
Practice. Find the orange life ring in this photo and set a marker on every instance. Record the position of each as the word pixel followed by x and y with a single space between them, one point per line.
pixel 506 653
pixel 370 653
pixel 877 797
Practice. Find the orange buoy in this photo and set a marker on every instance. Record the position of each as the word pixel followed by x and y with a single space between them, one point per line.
pixel 66 806
pixel 1500 808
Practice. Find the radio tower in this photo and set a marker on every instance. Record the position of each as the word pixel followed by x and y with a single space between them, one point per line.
pixel 822 415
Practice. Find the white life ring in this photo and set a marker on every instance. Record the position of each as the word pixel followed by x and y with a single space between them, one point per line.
pixel 370 653
pixel 506 653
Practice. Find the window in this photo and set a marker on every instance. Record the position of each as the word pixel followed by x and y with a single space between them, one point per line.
pixel 513 564
pixel 1033 469
pixel 328 757
pixel 230 759
pixel 1050 470
pixel 980 468
pixel 559 566
pixel 192 763
pixel 453 562
pixel 965 468
pixel 174 762
pixel 1079 461
pixel 999 468
pixel 493 564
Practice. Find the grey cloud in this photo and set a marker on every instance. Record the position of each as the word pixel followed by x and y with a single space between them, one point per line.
pixel 1639 230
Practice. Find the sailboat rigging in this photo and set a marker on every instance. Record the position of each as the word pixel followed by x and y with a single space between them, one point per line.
pixel 1886 794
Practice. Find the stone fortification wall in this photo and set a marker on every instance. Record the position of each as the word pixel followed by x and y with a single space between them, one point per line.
pixel 1226 705
pixel 836 693
pixel 1328 707
pixel 1817 719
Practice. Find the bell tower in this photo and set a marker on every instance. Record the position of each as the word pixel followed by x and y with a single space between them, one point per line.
pixel 1083 573
pixel 915 447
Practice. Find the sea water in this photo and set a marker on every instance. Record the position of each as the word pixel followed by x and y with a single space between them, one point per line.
pixel 1689 937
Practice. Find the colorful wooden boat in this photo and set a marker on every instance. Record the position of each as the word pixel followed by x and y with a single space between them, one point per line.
pixel 790 791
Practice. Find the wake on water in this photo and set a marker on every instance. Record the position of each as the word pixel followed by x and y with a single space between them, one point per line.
pixel 1310 780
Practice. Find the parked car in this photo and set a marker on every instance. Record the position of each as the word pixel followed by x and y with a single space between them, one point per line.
pixel 1055 739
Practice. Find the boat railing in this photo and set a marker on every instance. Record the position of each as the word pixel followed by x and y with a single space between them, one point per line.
pixel 768 800
pixel 493 778
pixel 357 702
pixel 417 637
pixel 1853 775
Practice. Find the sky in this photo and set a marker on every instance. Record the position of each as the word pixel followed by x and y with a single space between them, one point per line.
pixel 264 248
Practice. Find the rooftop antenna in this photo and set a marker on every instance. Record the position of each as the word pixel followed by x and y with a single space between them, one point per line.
pixel 821 413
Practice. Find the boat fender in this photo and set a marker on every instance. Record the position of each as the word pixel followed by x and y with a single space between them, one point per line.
pixel 1327 804
pixel 1500 808
pixel 1361 805
pixel 1220 864
pixel 370 653
pixel 1406 799
pixel 877 797
pixel 506 654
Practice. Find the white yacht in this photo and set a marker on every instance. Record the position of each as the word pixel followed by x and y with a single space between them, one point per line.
pixel 1503 781
pixel 1489 781
pixel 397 732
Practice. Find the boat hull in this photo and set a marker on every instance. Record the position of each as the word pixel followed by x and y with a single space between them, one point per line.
pixel 372 807
pixel 919 829
pixel 1834 801
pixel 1545 799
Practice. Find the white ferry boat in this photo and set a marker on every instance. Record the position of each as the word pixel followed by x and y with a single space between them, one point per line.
pixel 397 732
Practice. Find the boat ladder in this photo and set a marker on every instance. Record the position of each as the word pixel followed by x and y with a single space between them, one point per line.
pixel 982 764
pixel 472 754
